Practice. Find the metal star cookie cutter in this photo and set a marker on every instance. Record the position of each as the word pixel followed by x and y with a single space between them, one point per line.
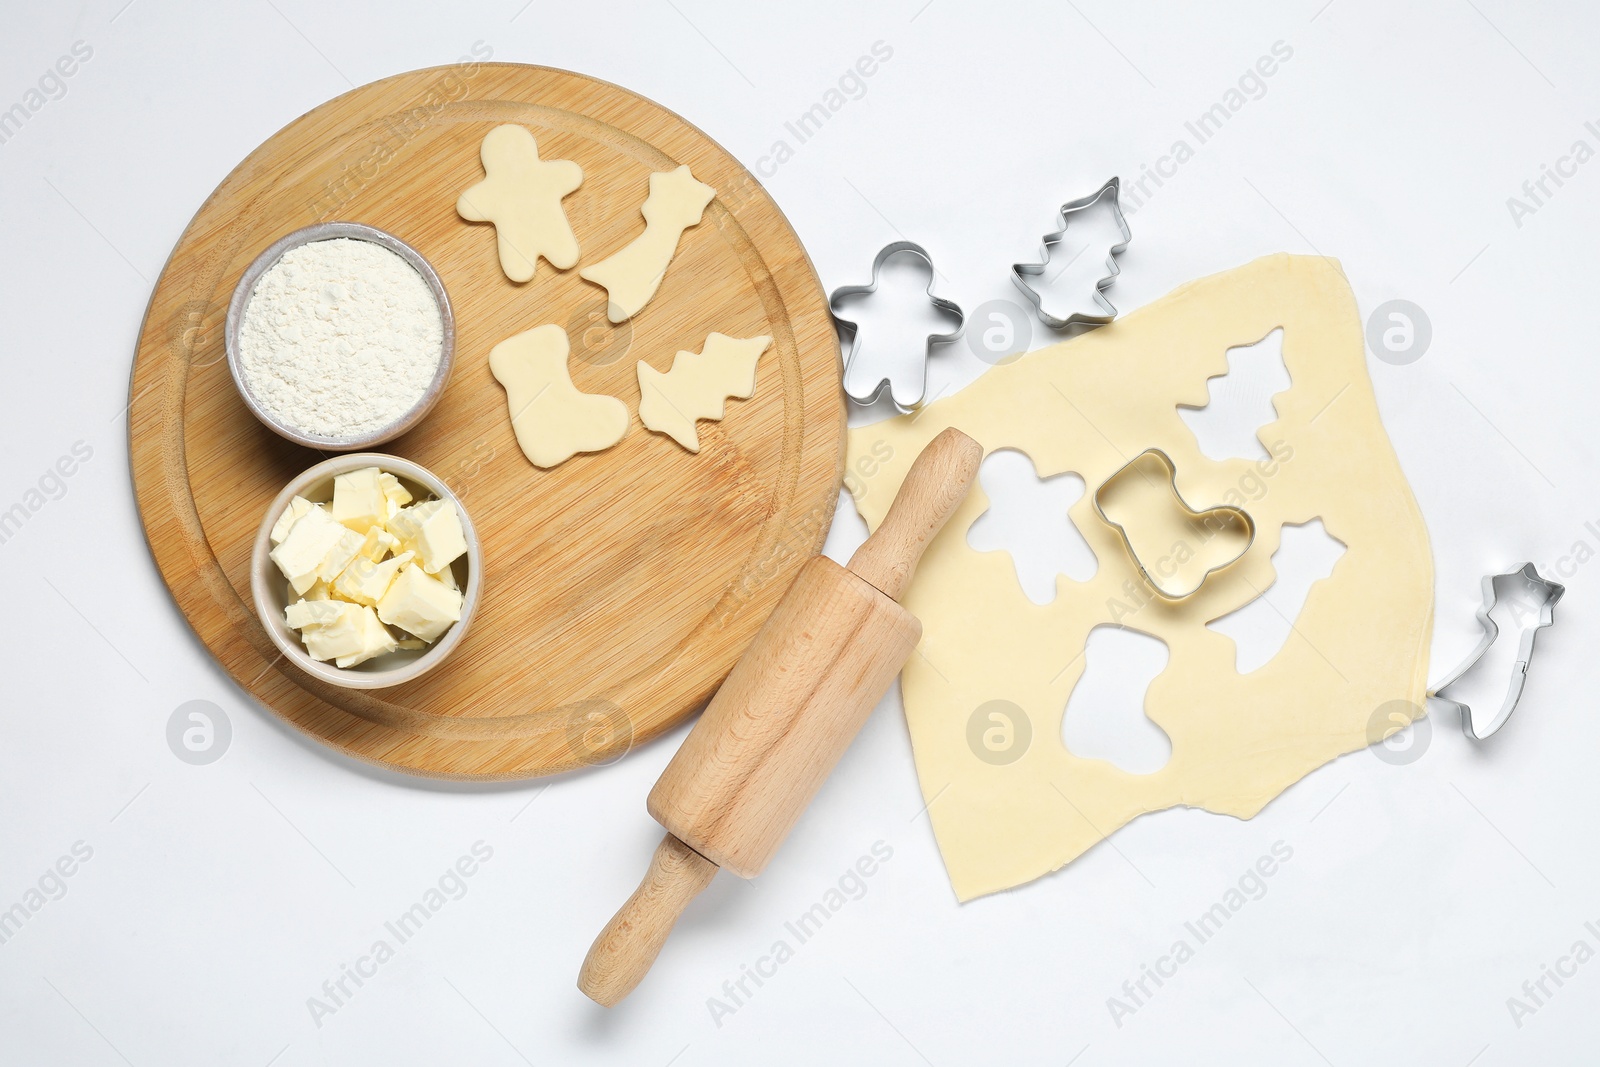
pixel 912 369
pixel 1021 272
pixel 1164 586
pixel 1545 593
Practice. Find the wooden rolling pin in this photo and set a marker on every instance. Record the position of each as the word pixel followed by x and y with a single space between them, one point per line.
pixel 783 717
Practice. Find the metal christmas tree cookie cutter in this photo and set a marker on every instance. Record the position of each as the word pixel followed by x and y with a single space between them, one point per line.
pixel 1021 273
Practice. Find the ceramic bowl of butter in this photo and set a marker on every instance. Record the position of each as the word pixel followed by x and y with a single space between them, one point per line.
pixel 340 337
pixel 366 571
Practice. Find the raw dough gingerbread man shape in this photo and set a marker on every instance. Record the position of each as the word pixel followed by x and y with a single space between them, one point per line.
pixel 521 194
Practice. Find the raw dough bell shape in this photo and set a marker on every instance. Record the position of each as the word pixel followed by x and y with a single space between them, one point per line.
pixel 521 194
pixel 698 385
pixel 632 274
pixel 552 419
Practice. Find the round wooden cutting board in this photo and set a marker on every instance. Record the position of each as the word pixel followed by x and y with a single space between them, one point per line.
pixel 619 587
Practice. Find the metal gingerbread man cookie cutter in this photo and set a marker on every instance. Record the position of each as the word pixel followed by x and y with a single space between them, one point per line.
pixel 864 384
pixel 1544 595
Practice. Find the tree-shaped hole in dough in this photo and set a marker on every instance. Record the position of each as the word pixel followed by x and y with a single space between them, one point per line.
pixel 1239 403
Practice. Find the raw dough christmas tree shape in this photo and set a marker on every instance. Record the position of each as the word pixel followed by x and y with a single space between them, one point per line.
pixel 632 274
pixel 521 194
pixel 553 421
pixel 1089 405
pixel 698 385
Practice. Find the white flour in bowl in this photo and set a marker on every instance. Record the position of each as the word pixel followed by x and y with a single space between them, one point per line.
pixel 340 338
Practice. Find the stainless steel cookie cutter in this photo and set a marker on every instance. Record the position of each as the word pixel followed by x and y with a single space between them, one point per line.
pixel 864 384
pixel 1544 594
pixel 1164 585
pixel 1021 272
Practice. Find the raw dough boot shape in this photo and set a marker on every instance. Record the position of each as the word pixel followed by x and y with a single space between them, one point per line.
pixel 552 419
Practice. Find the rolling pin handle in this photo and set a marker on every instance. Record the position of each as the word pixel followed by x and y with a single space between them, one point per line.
pixel 934 488
pixel 625 949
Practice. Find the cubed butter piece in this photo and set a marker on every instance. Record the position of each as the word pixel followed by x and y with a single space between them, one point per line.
pixel 358 499
pixel 447 575
pixel 379 543
pixel 343 634
pixel 433 530
pixel 365 582
pixel 396 494
pixel 406 524
pixel 344 551
pixel 310 539
pixel 375 641
pixel 420 604
pixel 303 614
pixel 280 529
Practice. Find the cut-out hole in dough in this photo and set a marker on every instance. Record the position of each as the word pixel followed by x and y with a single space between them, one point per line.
pixel 1028 519
pixel 1105 716
pixel 1306 554
pixel 1239 402
pixel 1175 546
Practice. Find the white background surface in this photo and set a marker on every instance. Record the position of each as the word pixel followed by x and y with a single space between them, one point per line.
pixel 219 898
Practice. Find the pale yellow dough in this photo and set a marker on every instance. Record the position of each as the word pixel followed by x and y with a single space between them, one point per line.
pixel 632 274
pixel 1089 406
pixel 552 419
pixel 698 386
pixel 521 194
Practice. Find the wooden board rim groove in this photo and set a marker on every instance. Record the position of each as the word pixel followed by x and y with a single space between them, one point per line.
pixel 211 249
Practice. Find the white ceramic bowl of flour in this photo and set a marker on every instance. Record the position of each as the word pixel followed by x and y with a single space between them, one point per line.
pixel 340 337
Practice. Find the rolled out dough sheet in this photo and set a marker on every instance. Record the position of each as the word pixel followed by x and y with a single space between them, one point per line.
pixel 1090 405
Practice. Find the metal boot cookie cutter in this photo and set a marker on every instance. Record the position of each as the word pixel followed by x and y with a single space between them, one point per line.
pixel 1539 595
pixel 1023 273
pixel 1206 524
pixel 906 374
